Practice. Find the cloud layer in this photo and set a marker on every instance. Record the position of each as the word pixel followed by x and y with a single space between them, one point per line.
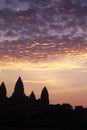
pixel 37 30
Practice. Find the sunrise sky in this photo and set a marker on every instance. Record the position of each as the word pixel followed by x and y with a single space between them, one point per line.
pixel 45 42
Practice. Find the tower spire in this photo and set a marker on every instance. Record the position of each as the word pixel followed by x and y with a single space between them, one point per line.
pixel 3 91
pixel 45 96
pixel 19 88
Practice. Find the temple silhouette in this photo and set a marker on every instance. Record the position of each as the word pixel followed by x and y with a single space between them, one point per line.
pixel 18 96
pixel 20 110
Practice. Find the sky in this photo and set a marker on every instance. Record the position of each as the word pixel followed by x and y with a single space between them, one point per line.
pixel 45 42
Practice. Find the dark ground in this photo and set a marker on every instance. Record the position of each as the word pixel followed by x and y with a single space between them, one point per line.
pixel 12 128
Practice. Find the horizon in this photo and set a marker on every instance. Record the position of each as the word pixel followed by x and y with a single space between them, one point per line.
pixel 27 93
pixel 45 42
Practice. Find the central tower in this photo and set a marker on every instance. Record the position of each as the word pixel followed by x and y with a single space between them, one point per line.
pixel 19 89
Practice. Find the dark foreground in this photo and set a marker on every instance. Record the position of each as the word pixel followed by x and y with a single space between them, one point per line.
pixel 28 113
pixel 12 128
pixel 51 117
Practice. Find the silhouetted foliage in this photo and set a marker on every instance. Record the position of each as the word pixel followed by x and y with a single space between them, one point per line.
pixel 78 108
pixel 67 106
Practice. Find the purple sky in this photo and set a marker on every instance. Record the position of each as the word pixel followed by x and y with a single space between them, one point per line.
pixel 45 41
pixel 37 29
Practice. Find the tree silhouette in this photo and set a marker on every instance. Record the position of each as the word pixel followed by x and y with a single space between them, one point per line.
pixel 44 96
pixel 67 106
pixel 3 91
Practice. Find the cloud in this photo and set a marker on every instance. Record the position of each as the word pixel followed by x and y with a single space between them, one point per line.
pixel 43 30
pixel 10 63
pixel 37 81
